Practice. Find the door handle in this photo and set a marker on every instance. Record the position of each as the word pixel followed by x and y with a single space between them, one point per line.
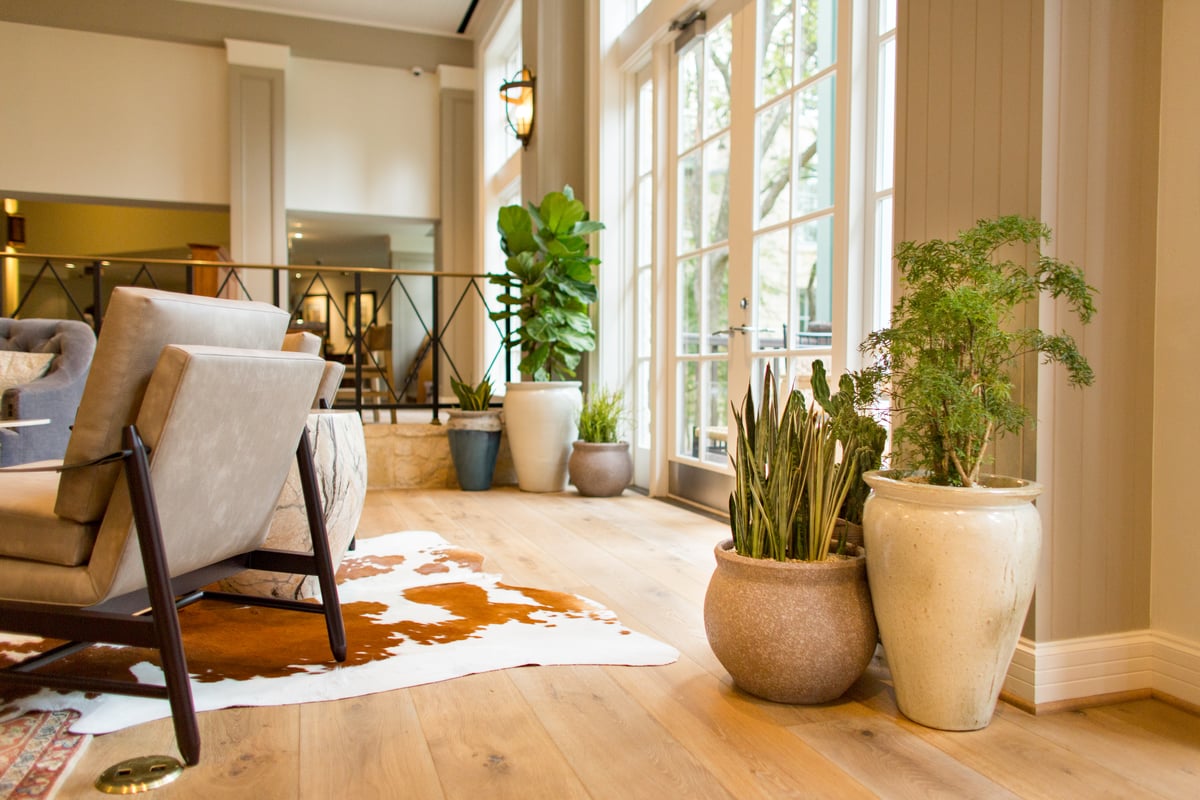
pixel 743 329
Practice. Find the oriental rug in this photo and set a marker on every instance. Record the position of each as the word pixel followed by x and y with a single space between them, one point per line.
pixel 417 610
pixel 36 752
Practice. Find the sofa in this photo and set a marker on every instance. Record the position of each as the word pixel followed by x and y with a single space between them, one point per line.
pixel 52 393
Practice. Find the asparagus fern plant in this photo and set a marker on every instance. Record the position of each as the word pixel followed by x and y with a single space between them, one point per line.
pixel 947 358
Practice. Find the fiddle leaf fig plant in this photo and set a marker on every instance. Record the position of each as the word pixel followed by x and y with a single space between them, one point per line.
pixel 947 358
pixel 549 284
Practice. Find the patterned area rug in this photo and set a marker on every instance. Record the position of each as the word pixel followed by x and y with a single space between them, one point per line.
pixel 417 609
pixel 36 751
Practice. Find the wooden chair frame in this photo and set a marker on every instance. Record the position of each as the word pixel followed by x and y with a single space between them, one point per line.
pixel 149 617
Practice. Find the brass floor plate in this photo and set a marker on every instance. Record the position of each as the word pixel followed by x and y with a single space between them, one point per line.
pixel 139 775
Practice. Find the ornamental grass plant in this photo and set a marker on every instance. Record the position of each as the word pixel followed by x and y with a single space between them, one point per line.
pixel 601 416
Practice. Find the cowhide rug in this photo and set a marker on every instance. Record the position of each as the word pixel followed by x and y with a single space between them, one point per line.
pixel 417 610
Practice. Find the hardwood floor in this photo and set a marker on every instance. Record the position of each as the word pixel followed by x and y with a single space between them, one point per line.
pixel 679 731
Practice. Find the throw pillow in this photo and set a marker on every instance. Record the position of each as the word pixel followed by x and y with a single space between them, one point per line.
pixel 17 368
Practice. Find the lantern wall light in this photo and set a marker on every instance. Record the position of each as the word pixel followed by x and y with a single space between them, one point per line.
pixel 517 95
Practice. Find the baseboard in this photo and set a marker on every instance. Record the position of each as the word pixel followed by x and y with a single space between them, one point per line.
pixel 1077 672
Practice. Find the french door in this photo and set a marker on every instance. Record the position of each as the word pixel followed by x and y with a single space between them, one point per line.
pixel 756 220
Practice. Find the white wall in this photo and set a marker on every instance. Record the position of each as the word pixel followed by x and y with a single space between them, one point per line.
pixel 111 116
pixel 361 140
pixel 1175 558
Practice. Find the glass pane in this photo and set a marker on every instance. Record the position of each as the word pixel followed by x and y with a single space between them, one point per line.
pixel 814 147
pixel 885 140
pixel 689 306
pixel 719 44
pixel 689 97
pixel 774 162
pixel 812 281
pixel 775 36
pixel 717 285
pixel 690 200
pixel 718 413
pixel 771 289
pixel 817 36
pixel 887 15
pixel 716 190
pixel 883 263
pixel 642 427
pixel 644 321
pixel 645 220
pixel 645 122
pixel 688 443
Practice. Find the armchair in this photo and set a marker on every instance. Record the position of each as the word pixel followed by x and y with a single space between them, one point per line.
pixel 184 436
pixel 54 396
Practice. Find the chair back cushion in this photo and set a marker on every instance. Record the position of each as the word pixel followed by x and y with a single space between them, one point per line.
pixel 137 325
pixel 222 425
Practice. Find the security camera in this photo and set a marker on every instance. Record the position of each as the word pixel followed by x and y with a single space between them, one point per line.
pixel 418 72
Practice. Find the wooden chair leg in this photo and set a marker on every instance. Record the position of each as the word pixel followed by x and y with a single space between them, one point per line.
pixel 162 599
pixel 321 553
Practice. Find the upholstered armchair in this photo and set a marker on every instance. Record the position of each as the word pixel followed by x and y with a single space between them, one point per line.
pixel 54 394
pixel 185 433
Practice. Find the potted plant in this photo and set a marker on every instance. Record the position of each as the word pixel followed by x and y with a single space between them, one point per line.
pixel 474 435
pixel 790 620
pixel 600 464
pixel 849 412
pixel 952 552
pixel 547 289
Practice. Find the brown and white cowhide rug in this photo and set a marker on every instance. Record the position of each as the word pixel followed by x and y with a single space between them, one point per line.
pixel 417 610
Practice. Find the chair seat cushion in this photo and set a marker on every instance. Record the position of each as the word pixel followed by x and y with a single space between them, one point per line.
pixel 29 528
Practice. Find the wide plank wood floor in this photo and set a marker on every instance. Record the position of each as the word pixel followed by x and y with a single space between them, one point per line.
pixel 679 731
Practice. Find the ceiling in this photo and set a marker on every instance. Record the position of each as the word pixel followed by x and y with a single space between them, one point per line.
pixel 426 16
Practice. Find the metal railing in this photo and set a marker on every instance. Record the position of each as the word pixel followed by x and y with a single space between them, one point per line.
pixel 379 322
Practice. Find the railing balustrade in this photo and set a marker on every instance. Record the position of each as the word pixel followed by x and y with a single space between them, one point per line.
pixel 379 322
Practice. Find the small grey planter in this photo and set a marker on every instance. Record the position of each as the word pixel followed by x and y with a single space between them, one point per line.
pixel 474 443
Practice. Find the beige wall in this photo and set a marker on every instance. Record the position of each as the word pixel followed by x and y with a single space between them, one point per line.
pixel 1175 600
pixel 1050 108
pixel 104 116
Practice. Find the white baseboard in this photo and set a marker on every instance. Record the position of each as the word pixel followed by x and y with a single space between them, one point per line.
pixel 1072 669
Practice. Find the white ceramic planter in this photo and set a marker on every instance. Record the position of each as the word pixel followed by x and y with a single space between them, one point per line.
pixel 541 418
pixel 952 572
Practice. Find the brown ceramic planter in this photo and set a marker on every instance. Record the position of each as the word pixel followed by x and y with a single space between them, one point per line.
pixel 600 469
pixel 790 632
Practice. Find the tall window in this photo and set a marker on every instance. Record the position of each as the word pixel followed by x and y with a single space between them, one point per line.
pixel 643 199
pixel 501 170
pixel 702 243
pixel 794 198
pixel 884 49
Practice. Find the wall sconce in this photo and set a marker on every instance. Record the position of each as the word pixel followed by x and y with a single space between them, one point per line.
pixel 517 95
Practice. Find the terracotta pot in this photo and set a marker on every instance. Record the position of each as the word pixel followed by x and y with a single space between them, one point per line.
pixel 600 469
pixel 952 572
pixel 541 419
pixel 790 632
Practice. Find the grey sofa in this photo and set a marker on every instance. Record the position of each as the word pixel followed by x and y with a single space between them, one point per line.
pixel 54 396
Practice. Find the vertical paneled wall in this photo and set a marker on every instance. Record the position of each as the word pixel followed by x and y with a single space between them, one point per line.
pixel 1099 193
pixel 1050 108
pixel 1175 603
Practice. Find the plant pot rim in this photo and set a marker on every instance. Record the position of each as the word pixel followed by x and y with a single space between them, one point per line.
pixel 482 412
pixel 601 445
pixel 724 552
pixel 529 386
pixel 991 489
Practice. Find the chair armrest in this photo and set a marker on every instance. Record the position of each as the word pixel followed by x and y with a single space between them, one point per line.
pixel 111 458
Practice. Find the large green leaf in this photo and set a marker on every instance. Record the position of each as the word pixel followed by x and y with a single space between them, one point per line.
pixel 516 230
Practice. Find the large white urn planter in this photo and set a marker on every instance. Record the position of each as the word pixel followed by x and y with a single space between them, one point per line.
pixel 952 572
pixel 542 419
